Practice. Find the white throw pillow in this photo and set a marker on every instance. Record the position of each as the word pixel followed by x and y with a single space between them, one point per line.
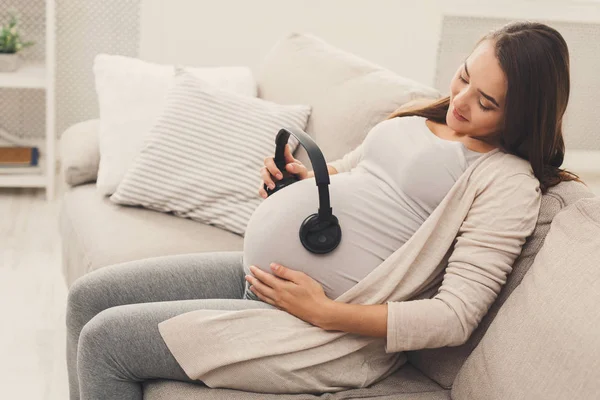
pixel 131 95
pixel 202 159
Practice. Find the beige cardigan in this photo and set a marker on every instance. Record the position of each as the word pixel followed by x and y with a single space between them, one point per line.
pixel 471 241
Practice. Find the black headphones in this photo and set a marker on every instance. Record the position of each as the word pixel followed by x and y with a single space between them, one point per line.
pixel 319 233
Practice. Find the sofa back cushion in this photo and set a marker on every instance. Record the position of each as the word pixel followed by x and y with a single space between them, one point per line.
pixel 80 152
pixel 442 364
pixel 131 96
pixel 544 342
pixel 348 95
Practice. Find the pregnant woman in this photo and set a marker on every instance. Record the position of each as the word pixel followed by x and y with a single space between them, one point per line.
pixel 392 182
pixel 509 94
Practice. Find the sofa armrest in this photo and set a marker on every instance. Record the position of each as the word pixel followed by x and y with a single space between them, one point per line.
pixel 80 153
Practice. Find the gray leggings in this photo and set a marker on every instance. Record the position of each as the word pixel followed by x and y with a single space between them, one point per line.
pixel 113 342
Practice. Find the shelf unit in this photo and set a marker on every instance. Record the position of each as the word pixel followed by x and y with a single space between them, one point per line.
pixel 28 76
pixel 37 75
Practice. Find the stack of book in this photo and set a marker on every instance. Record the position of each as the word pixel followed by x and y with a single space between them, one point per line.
pixel 17 159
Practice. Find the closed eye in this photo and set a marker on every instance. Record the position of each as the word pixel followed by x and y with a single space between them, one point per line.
pixel 483 108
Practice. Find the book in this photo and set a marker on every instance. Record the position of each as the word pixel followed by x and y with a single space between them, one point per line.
pixel 18 156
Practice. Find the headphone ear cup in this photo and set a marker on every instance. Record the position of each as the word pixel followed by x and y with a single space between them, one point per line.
pixel 320 237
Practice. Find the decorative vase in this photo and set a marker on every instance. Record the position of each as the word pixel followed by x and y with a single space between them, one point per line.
pixel 9 62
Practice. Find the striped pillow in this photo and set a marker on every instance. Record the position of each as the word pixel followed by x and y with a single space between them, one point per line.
pixel 202 158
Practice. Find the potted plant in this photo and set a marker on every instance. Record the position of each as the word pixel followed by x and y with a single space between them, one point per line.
pixel 11 44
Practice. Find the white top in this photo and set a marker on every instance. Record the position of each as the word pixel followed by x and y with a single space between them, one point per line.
pixel 383 192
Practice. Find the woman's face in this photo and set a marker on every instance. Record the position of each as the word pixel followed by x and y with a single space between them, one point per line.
pixel 477 93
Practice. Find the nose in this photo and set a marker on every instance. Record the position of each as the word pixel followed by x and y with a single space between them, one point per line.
pixel 460 102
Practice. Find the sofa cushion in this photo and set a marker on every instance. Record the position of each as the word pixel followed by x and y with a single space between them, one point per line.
pixel 442 364
pixel 79 152
pixel 202 159
pixel 131 94
pixel 406 383
pixel 349 95
pixel 545 341
pixel 96 233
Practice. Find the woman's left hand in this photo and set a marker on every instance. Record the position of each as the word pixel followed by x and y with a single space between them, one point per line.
pixel 292 291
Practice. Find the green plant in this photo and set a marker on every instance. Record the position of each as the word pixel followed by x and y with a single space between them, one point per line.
pixel 10 38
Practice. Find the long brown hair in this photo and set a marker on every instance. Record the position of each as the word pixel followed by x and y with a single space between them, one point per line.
pixel 535 59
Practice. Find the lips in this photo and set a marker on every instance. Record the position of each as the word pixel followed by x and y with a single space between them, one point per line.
pixel 457 115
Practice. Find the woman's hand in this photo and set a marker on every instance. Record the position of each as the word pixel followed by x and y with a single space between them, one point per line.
pixel 291 291
pixel 270 170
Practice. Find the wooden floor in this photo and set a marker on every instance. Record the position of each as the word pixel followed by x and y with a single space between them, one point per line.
pixel 33 295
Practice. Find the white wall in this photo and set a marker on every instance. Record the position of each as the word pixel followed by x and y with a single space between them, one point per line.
pixel 400 35
pixel 220 32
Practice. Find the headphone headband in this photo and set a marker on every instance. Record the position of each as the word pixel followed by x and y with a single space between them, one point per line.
pixel 317 161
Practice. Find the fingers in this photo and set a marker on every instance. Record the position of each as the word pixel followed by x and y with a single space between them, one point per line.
pixel 266 278
pixel 293 165
pixel 272 168
pixel 260 288
pixel 269 173
pixel 297 169
pixel 286 273
pixel 262 192
pixel 266 283
pixel 267 178
pixel 288 154
pixel 262 296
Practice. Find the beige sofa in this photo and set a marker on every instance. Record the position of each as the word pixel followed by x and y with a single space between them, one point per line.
pixel 349 95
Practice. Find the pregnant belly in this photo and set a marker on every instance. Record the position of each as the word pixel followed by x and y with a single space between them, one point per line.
pixel 368 234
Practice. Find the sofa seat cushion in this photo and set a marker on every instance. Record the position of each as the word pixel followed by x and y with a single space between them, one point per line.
pixel 96 232
pixel 405 384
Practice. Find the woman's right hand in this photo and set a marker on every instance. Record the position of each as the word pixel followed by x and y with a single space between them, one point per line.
pixel 270 171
